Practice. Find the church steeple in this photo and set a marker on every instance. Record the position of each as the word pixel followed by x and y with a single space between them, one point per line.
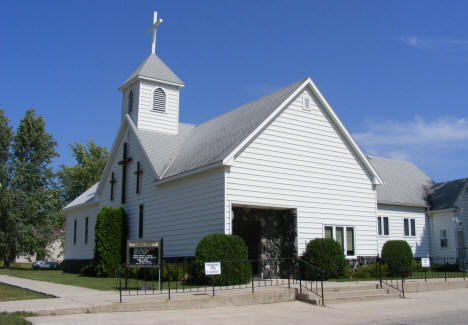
pixel 151 93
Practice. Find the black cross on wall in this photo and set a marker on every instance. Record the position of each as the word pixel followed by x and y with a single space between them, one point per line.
pixel 124 162
pixel 138 173
pixel 112 182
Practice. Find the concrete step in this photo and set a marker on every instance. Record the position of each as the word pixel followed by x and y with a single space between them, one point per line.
pixel 358 293
pixel 340 300
pixel 369 286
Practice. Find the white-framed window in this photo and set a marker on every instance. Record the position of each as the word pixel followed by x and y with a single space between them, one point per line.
pixel 130 101
pixel 344 235
pixel 444 238
pixel 306 102
pixel 140 221
pixel 86 230
pixel 409 227
pixel 74 231
pixel 159 100
pixel 383 226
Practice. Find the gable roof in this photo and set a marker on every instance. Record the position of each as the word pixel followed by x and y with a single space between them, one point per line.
pixel 213 140
pixel 444 195
pixel 403 182
pixel 85 198
pixel 155 69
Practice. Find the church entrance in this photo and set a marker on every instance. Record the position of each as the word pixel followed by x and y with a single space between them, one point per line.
pixel 270 235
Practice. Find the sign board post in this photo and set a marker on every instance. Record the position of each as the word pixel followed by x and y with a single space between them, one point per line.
pixel 145 253
pixel 213 269
pixel 425 263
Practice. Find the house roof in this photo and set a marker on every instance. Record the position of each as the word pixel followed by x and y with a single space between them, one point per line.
pixel 215 139
pixel 403 182
pixel 444 195
pixel 154 68
pixel 85 198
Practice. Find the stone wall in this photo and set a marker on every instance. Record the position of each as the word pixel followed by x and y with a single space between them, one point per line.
pixel 275 241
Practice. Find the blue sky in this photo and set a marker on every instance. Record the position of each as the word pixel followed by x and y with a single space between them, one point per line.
pixel 396 73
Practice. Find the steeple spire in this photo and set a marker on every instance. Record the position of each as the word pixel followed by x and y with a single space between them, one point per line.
pixel 152 29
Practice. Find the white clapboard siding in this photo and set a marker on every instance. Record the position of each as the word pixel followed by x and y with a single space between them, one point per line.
pixel 421 243
pixel 149 119
pixel 136 94
pixel 462 202
pixel 443 221
pixel 301 161
pixel 80 250
pixel 181 211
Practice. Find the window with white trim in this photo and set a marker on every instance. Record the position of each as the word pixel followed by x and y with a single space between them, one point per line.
pixel 130 101
pixel 159 100
pixel 383 226
pixel 344 235
pixel 306 102
pixel 86 230
pixel 140 221
pixel 443 238
pixel 74 232
pixel 409 227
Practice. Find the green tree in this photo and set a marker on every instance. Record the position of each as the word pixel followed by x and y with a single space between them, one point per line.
pixel 36 198
pixel 6 217
pixel 90 162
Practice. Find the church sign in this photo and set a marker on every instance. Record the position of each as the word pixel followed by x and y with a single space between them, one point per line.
pixel 144 252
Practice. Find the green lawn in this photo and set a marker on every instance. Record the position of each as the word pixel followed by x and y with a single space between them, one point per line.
pixel 15 318
pixel 8 293
pixel 57 276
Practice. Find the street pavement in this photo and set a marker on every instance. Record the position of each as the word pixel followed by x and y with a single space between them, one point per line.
pixel 433 307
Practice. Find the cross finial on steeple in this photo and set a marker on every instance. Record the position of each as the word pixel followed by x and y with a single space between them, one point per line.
pixel 152 29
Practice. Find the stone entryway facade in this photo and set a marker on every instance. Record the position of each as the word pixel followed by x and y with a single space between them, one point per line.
pixel 270 235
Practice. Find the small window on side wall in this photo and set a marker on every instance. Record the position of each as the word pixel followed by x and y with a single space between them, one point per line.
pixel 159 100
pixel 306 102
pixel 140 221
pixel 130 101
pixel 443 238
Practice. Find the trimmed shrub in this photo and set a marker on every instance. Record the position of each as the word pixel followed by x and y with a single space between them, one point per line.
pixel 398 256
pixel 231 251
pixel 110 239
pixel 369 271
pixel 326 254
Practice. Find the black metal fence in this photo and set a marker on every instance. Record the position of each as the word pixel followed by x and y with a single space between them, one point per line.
pixel 183 277
pixel 440 268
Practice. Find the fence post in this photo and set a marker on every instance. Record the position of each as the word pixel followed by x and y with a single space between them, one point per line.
pixel 169 289
pixel 425 277
pixel 445 270
pixel 323 297
pixel 402 287
pixel 380 273
pixel 253 290
pixel 120 284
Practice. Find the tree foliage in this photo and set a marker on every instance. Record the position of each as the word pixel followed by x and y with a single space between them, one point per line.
pixel 31 203
pixel 90 162
pixel 398 256
pixel 110 241
pixel 326 254
pixel 231 251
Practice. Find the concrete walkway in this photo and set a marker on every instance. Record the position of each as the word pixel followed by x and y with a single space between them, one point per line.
pixel 424 308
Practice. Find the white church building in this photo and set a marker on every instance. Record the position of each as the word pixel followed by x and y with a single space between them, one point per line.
pixel 279 171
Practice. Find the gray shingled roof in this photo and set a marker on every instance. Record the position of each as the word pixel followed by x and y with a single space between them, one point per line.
pixel 161 148
pixel 215 139
pixel 403 182
pixel 154 68
pixel 444 195
pixel 85 197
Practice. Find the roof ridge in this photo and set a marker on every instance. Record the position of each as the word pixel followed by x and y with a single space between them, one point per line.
pixel 253 101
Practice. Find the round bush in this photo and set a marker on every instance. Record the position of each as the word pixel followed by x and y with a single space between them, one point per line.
pixel 110 241
pixel 398 256
pixel 326 254
pixel 231 251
